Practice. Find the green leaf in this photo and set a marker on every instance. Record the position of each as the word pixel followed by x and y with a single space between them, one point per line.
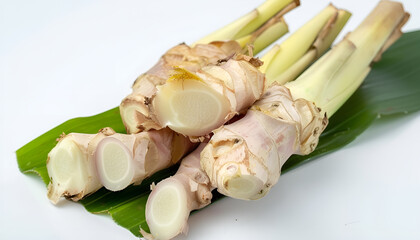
pixel 392 88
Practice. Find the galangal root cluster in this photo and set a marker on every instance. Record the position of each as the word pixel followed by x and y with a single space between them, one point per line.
pixel 191 94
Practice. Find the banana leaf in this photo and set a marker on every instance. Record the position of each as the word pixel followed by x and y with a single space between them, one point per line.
pixel 392 88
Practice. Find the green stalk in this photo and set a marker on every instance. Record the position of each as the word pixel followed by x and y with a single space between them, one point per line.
pixel 266 11
pixel 331 31
pixel 298 44
pixel 333 79
pixel 286 61
pixel 252 21
pixel 321 44
pixel 262 39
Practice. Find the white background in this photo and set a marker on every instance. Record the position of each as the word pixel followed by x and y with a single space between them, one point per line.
pixel 64 59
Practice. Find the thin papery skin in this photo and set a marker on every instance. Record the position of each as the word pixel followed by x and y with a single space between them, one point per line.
pixel 255 147
pixel 149 152
pixel 80 177
pixel 193 190
pixel 247 83
pixel 134 108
